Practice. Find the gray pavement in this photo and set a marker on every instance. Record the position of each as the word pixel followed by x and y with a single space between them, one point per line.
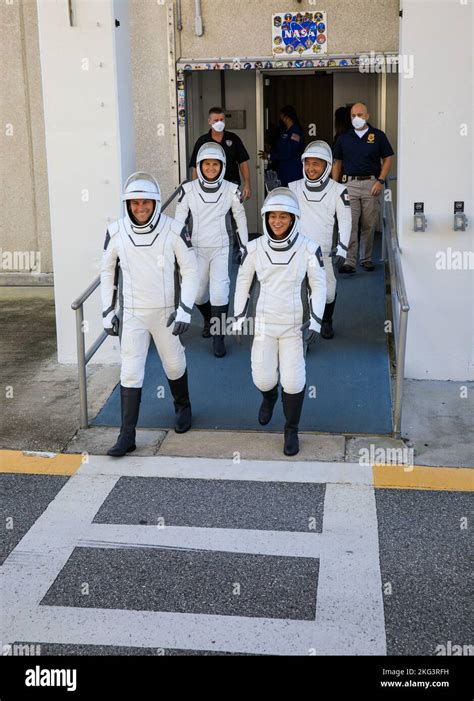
pixel 164 556
pixel 43 413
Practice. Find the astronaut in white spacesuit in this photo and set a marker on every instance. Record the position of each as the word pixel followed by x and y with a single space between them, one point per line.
pixel 160 280
pixel 204 204
pixel 321 199
pixel 288 267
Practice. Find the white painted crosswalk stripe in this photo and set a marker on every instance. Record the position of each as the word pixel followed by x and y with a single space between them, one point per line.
pixel 349 608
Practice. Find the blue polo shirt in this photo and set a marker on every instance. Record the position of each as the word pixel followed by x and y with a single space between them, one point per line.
pixel 361 156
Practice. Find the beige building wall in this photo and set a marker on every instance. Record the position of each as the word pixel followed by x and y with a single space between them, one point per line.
pixel 25 223
pixel 242 28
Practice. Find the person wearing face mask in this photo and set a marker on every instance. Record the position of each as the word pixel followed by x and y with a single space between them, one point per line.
pixel 321 199
pixel 289 268
pixel 150 247
pixel 365 155
pixel 286 152
pixel 203 204
pixel 237 158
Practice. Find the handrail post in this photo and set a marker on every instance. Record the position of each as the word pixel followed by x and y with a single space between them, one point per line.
pixel 81 366
pixel 383 220
pixel 397 411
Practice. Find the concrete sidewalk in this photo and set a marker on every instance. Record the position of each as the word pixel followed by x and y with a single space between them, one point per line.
pixel 41 413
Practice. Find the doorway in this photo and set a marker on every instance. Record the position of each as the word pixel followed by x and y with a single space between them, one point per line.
pixel 310 95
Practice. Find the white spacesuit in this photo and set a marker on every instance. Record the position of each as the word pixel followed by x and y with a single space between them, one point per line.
pixel 204 205
pixel 159 272
pixel 320 201
pixel 289 270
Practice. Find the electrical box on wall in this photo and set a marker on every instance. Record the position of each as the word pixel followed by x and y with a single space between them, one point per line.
pixel 235 119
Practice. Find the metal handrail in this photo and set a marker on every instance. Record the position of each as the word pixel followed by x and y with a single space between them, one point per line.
pixel 397 284
pixel 83 356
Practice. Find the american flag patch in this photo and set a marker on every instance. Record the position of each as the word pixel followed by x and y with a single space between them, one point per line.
pixel 295 137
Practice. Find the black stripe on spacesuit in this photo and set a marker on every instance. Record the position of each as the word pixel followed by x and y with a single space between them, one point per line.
pixel 107 240
pixel 305 288
pixel 280 249
pixel 181 194
pixel 107 311
pixel 313 314
pixel 143 245
pixel 319 256
pixel 316 189
pixel 185 236
pixel 284 248
pixel 345 197
pixel 116 283
pixel 177 285
pixel 186 309
pixel 210 191
pixel 115 292
pixel 244 311
pixel 342 246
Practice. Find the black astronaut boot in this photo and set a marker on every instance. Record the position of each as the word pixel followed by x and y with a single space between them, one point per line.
pixel 292 405
pixel 326 326
pixel 130 404
pixel 218 344
pixel 206 312
pixel 182 405
pixel 266 408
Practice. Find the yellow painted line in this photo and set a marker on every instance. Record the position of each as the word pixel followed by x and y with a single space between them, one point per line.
pixel 39 463
pixel 454 479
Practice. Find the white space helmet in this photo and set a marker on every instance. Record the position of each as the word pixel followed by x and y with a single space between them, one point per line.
pixel 318 149
pixel 216 152
pixel 281 199
pixel 142 186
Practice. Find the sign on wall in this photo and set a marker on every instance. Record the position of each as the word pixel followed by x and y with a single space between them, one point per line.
pixel 299 34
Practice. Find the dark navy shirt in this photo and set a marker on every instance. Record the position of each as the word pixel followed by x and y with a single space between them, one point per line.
pixel 286 154
pixel 361 156
pixel 235 153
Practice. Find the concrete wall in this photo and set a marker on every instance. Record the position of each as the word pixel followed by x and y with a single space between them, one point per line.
pixel 24 224
pixel 89 146
pixel 155 137
pixel 243 27
pixel 435 167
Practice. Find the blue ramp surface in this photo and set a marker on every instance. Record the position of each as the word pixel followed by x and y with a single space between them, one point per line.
pixel 350 373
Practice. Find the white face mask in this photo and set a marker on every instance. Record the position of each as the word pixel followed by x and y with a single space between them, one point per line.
pixel 218 126
pixel 358 122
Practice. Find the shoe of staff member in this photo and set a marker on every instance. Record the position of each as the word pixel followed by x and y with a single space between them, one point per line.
pixel 347 269
pixel 368 265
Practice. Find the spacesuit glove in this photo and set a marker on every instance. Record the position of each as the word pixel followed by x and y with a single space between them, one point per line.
pixel 181 321
pixel 310 331
pixel 338 254
pixel 238 324
pixel 111 323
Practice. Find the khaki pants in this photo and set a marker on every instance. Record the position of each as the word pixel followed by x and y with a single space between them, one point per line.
pixel 364 208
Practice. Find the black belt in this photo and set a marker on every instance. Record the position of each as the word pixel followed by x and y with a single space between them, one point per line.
pixel 361 177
